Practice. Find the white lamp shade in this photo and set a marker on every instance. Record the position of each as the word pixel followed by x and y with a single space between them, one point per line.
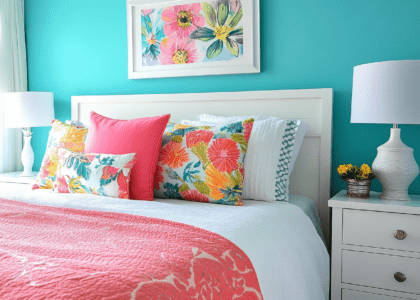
pixel 386 92
pixel 28 109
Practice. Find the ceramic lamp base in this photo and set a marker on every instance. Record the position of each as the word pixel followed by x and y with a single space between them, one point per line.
pixel 395 167
pixel 27 155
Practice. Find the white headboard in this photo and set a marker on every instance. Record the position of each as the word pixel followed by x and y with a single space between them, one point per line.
pixel 312 172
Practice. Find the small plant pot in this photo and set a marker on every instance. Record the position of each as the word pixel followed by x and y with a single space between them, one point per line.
pixel 358 188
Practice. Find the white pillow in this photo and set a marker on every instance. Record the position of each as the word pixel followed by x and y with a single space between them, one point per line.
pixel 261 160
pixel 75 123
pixel 295 133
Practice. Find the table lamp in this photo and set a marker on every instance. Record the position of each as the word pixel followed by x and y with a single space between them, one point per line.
pixel 389 92
pixel 26 110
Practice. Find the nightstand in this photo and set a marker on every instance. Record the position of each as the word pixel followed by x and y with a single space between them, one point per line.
pixel 13 177
pixel 375 248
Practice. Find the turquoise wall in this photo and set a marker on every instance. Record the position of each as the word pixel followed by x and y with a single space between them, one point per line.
pixel 80 48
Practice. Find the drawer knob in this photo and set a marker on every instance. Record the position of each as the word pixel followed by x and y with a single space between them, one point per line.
pixel 400 234
pixel 400 277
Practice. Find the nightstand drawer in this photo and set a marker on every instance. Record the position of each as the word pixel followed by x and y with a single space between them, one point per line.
pixel 376 229
pixel 356 295
pixel 378 270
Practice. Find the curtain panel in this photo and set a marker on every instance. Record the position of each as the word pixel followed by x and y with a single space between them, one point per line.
pixel 13 77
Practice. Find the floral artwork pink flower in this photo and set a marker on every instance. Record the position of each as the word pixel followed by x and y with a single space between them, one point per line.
pixel 182 19
pixel 224 155
pixel 177 51
pixel 147 11
pixel 61 185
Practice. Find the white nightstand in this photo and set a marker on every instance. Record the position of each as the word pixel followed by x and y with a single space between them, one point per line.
pixel 375 248
pixel 13 177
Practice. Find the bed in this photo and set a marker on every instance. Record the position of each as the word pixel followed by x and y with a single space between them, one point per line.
pixel 284 241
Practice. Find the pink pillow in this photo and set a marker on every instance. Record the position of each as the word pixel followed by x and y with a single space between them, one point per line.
pixel 142 136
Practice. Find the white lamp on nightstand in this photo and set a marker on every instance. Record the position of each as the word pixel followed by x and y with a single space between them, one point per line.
pixel 26 110
pixel 389 92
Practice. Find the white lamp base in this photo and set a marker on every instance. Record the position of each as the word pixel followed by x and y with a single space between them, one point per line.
pixel 27 155
pixel 27 175
pixel 395 167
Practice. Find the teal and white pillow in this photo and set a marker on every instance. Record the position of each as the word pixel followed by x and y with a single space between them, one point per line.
pixel 283 167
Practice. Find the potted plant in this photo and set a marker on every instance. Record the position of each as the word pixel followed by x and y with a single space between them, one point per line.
pixel 358 179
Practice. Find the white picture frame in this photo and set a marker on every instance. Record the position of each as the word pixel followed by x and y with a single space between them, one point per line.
pixel 247 61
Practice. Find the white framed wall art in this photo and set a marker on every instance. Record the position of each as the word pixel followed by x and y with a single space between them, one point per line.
pixel 192 37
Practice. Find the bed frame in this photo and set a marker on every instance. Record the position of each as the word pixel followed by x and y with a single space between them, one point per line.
pixel 312 172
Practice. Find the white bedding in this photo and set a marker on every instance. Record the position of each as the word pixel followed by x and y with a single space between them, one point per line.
pixel 289 256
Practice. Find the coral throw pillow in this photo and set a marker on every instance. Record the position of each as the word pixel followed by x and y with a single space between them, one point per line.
pixel 61 136
pixel 203 163
pixel 98 174
pixel 141 136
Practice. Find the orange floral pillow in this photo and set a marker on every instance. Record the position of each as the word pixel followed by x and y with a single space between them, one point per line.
pixel 203 163
pixel 61 136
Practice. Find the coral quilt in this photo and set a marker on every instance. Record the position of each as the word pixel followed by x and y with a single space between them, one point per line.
pixel 64 253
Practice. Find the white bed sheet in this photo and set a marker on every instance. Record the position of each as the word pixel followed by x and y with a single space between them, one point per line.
pixel 288 255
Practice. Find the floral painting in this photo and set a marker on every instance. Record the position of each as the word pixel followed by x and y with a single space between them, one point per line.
pixel 192 33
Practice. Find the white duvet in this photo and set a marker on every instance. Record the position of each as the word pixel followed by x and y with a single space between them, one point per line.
pixel 288 255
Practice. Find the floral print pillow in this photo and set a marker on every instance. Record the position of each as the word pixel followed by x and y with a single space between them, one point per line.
pixel 98 174
pixel 203 163
pixel 61 135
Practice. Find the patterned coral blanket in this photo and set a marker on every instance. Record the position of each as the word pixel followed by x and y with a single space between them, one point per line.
pixel 63 253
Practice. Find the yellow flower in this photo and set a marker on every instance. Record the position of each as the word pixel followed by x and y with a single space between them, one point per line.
pixel 342 169
pixel 221 32
pixel 365 169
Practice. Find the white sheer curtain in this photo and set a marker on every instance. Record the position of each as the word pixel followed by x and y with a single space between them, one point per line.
pixel 13 77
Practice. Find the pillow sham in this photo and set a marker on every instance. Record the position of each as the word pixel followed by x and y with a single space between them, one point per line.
pixel 141 136
pixel 98 174
pixel 61 136
pixel 264 148
pixel 290 144
pixel 203 163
